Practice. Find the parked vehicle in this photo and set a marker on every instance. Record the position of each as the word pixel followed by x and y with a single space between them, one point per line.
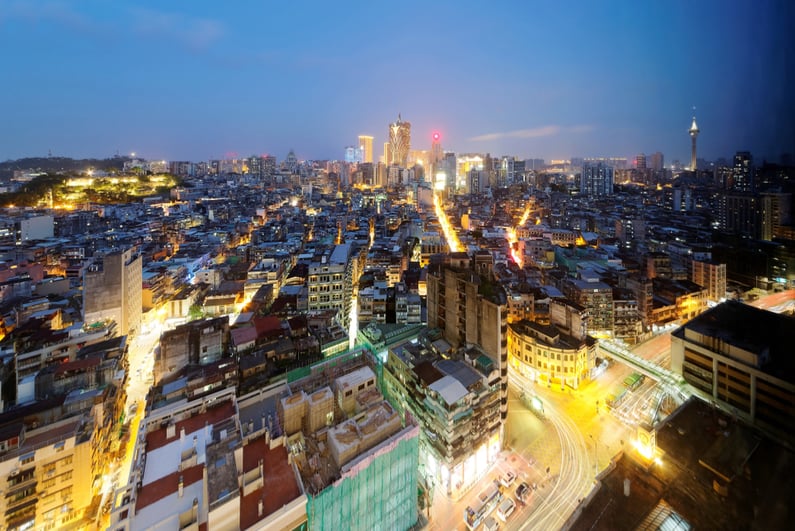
pixel 507 479
pixel 505 509
pixel 490 524
pixel 522 492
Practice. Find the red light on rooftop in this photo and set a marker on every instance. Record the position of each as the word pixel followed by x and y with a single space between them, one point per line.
pixel 436 136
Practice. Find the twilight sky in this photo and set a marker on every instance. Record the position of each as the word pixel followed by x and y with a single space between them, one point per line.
pixel 196 79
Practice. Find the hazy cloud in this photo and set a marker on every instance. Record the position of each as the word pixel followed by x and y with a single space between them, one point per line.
pixel 195 34
pixel 57 12
pixel 535 132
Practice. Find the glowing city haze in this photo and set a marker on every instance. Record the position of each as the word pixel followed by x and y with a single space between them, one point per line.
pixel 193 81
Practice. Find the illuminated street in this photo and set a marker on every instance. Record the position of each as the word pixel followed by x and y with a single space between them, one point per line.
pixel 449 232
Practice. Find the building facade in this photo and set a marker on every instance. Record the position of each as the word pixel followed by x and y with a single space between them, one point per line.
pixel 596 179
pixel 457 404
pixel 546 355
pixel 399 143
pixel 366 147
pixel 330 282
pixel 740 358
pixel 113 290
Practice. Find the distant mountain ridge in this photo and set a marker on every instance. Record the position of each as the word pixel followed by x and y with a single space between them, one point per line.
pixel 59 165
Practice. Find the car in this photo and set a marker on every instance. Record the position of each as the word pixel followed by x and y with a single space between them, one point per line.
pixel 490 524
pixel 505 509
pixel 507 479
pixel 522 492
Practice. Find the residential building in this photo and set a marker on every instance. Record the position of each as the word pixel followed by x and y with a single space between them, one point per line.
pixel 596 179
pixel 204 464
pixel 457 403
pixel 330 281
pixel 470 308
pixel 112 290
pixel 596 297
pixel 711 276
pixel 46 474
pixel 200 342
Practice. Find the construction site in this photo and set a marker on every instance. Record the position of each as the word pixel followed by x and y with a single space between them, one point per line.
pixel 356 457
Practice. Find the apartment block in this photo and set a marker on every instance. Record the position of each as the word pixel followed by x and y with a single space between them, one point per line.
pixel 112 290
pixel 457 403
pixel 711 276
pixel 741 358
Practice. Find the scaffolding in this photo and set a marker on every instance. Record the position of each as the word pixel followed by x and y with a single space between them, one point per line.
pixel 376 492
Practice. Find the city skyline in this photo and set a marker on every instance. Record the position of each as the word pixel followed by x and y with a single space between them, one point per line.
pixel 91 79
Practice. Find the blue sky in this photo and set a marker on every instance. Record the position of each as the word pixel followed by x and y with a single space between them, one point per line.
pixel 194 80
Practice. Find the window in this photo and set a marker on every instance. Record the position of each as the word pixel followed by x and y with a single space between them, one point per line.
pixel 27 458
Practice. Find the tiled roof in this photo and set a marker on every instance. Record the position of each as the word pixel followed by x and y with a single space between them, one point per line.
pixel 280 485
pixel 167 485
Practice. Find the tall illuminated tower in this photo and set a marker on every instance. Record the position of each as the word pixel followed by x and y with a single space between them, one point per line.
pixel 399 142
pixel 366 145
pixel 693 134
pixel 436 148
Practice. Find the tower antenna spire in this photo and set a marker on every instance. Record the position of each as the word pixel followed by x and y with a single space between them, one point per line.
pixel 694 131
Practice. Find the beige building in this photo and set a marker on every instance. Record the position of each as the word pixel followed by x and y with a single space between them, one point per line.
pixel 712 277
pixel 46 475
pixel 547 355
pixel 330 282
pixel 366 145
pixel 113 290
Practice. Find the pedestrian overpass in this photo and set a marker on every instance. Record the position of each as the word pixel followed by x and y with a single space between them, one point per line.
pixel 673 388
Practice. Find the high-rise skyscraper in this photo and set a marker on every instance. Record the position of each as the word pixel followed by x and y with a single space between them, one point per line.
pixel 366 145
pixel 656 161
pixel 694 131
pixel 436 149
pixel 742 173
pixel 596 179
pixel 399 142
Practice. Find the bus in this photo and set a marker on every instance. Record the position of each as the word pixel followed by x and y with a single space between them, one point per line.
pixel 616 397
pixel 633 381
pixel 486 501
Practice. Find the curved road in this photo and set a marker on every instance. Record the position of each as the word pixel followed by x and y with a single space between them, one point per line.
pixel 571 468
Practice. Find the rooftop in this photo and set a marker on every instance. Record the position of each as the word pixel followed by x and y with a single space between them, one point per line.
pixel 280 485
pixel 751 329
pixel 715 473
pixel 214 414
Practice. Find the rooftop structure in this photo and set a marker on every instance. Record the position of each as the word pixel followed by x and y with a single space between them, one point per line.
pixel 714 473
pixel 196 468
pixel 457 403
pixel 356 455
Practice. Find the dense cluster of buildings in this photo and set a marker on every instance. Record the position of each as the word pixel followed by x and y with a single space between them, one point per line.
pixel 259 277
